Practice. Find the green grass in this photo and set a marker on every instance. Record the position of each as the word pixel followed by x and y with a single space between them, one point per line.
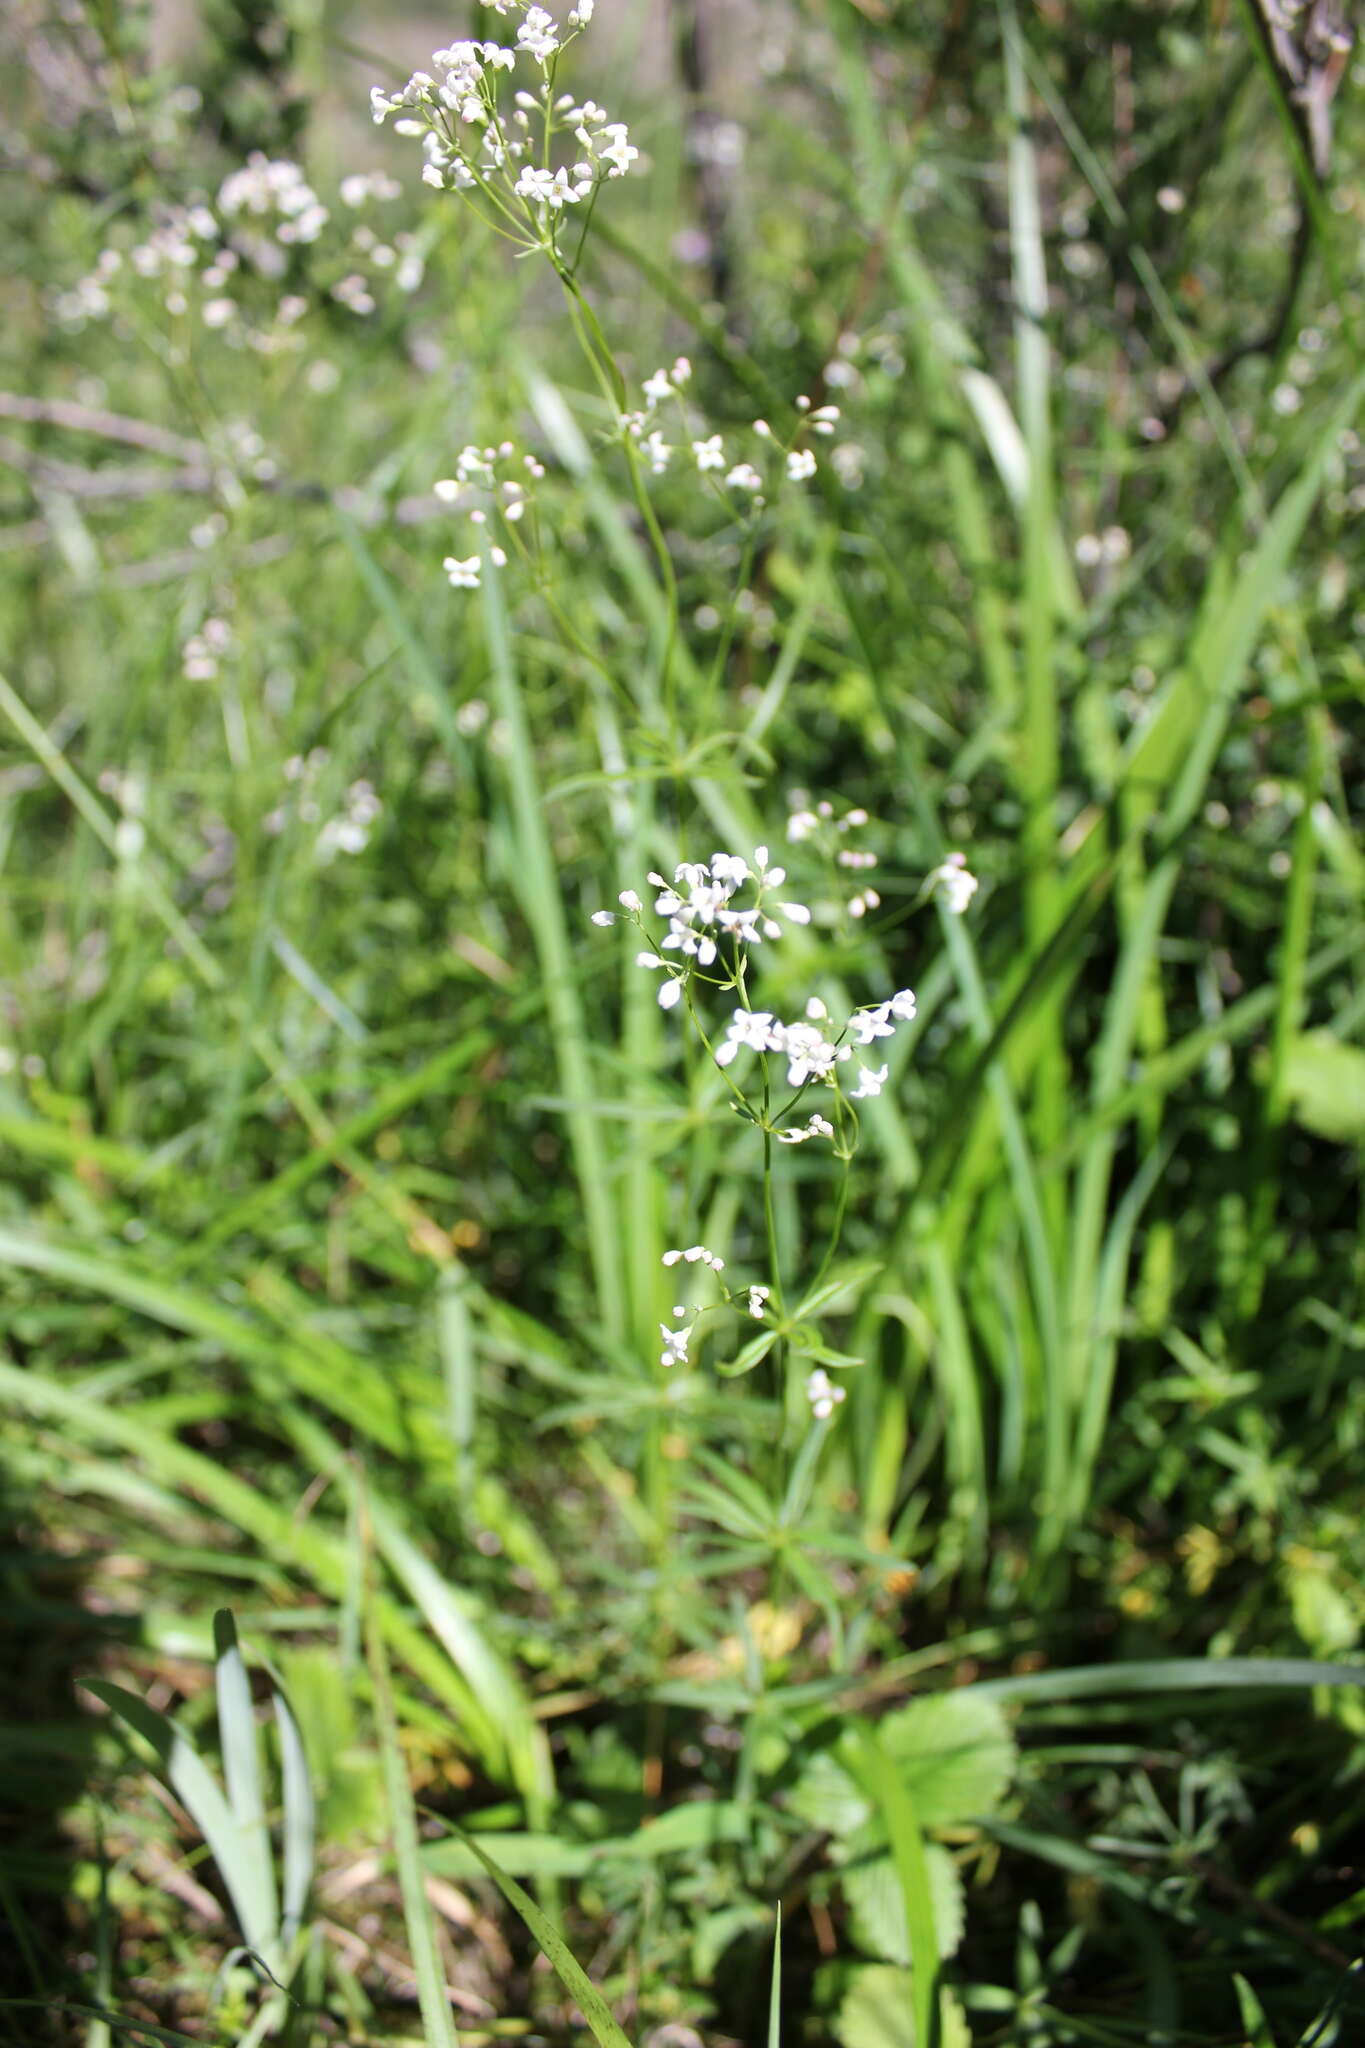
pixel 337 1188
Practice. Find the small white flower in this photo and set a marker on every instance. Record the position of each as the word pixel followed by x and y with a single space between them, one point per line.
pixel 603 917
pixel 823 1395
pixel 753 1029
pixel 957 884
pixel 801 464
pixel 658 387
pixel 670 994
pixel 554 189
pixel 538 35
pixel 682 371
pixel 758 1302
pixel 629 900
pixel 710 454
pixel 462 575
pixel 695 1255
pixel 657 452
pixel 871 1081
pixel 620 153
pixel 818 1127
pixel 675 1344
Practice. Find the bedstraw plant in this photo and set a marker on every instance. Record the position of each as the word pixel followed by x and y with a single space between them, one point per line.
pixel 679 1043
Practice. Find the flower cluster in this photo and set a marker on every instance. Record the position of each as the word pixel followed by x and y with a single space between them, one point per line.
pixel 813 1048
pixel 750 1301
pixel 498 156
pixel 203 651
pixel 957 884
pixel 707 451
pixel 241 264
pixel 483 472
pixel 823 1395
pixel 827 831
pixel 703 915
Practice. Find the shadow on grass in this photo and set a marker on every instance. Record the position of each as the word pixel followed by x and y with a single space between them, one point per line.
pixel 51 1924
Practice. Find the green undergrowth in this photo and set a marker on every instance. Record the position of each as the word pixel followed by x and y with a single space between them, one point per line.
pixel 1016 1699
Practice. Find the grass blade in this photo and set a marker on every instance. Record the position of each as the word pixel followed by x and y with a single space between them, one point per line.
pixel 557 1953
pixel 417 1913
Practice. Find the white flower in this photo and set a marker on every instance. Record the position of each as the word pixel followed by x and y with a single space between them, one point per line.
pixel 658 387
pixel 866 1026
pixel 809 1054
pixel 538 35
pixel 670 994
pixel 604 917
pixel 657 452
pixel 818 1127
pixel 710 454
pixel 823 1395
pixel 800 465
pixel 758 1302
pixel 581 15
pixel 751 1028
pixel 871 1081
pixel 744 477
pixel 903 1005
pixel 462 575
pixel 675 1344
pixel 630 901
pixel 554 189
pixel 695 1255
pixel 957 884
pixel 620 153
pixel 682 371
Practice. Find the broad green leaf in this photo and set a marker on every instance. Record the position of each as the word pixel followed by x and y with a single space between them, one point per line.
pixel 878 2012
pixel 956 1754
pixel 825 1797
pixel 876 1905
pixel 1325 1085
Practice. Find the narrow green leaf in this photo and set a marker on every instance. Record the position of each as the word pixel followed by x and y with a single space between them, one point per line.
pixel 557 1953
pixel 200 1794
pixel 242 1762
pixel 417 1912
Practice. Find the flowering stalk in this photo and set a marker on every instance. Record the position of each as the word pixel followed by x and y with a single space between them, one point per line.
pixel 528 159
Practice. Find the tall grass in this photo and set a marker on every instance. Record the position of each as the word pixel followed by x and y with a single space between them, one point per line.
pixel 340 1180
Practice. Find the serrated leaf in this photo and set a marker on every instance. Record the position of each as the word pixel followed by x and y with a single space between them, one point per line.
pixel 878 2012
pixel 1325 1082
pixel 825 1797
pixel 955 1752
pixel 876 1906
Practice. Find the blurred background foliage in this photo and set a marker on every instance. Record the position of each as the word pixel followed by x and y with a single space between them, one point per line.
pixel 298 1306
